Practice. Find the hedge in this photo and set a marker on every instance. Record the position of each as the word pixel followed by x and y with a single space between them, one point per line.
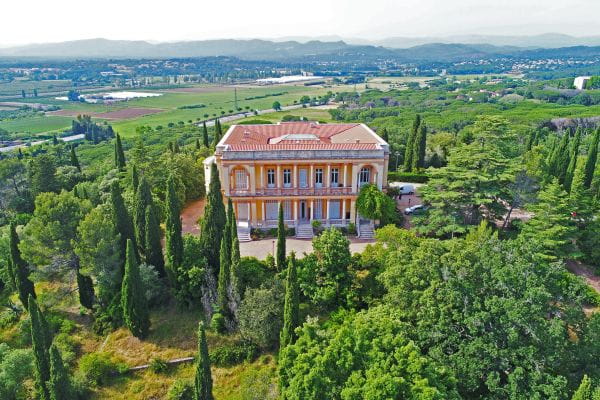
pixel 394 176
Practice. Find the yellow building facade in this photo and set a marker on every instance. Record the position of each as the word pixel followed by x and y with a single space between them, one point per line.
pixel 313 170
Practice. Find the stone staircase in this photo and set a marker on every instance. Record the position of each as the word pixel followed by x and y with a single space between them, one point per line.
pixel 304 231
pixel 367 231
pixel 243 232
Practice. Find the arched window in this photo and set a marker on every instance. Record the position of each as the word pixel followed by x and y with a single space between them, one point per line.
pixel 241 179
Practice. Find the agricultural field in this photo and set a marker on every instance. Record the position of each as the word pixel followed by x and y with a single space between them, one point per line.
pixel 13 89
pixel 36 125
pixel 311 113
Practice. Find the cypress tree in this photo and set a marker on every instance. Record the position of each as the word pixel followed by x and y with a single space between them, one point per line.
pixel 280 261
pixel 584 391
pixel 218 133
pixel 18 270
pixel 197 144
pixel 213 222
pixel 410 144
pixel 133 298
pixel 590 162
pixel 41 339
pixel 291 317
pixel 572 161
pixel 121 217
pixel 74 161
pixel 205 135
pixel 173 238
pixel 224 271
pixel 142 200
pixel 85 287
pixel 235 297
pixel 563 161
pixel 232 223
pixel 531 139
pixel 558 155
pixel 135 178
pixel 54 140
pixel 384 135
pixel 119 154
pixel 59 384
pixel 153 246
pixel 203 379
pixel 420 143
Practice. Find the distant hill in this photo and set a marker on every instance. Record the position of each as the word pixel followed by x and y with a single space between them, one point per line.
pixel 290 50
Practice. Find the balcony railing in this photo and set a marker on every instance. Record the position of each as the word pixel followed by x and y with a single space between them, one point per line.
pixel 314 191
pixel 272 223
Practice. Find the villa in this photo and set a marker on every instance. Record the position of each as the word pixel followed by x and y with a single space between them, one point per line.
pixel 314 170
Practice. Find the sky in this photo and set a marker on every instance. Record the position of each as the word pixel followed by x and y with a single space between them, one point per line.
pixel 40 21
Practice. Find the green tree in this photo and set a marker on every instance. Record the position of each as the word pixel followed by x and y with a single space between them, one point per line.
pixel 572 161
pixel 120 215
pixel 18 270
pixel 133 299
pixel 119 154
pixel 592 157
pixel 280 260
pixel 142 201
pixel 291 308
pixel 276 106
pixel 135 178
pixel 154 254
pixel 234 290
pixel 410 144
pixel 205 135
pixel 59 384
pixel 173 238
pixel 203 379
pixel 384 135
pixel 218 133
pixel 260 316
pixel 42 174
pixel 372 203
pixel 584 391
pixel 419 147
pixel 224 276
pixel 41 339
pixel 197 144
pixel 214 221
pixel 74 161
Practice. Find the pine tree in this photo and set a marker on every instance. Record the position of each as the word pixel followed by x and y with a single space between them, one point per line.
pixel 74 161
pixel 135 178
pixel 205 135
pixel 280 240
pixel 18 270
pixel 59 384
pixel 119 154
pixel 41 339
pixel 153 246
pixel 419 146
pixel 213 222
pixel 410 145
pixel 580 203
pixel 173 238
pixel 203 379
pixel 590 162
pixel 574 154
pixel 121 217
pixel 584 392
pixel 133 297
pixel 291 317
pixel 143 200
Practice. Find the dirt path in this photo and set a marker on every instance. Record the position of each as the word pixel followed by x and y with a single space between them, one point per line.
pixel 586 272
pixel 190 214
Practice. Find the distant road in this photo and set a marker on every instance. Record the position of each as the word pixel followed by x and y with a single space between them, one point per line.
pixel 64 139
pixel 241 115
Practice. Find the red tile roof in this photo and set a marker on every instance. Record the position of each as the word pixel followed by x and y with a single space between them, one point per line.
pixel 260 137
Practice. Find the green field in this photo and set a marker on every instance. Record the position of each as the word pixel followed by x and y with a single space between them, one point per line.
pixel 36 124
pixel 312 114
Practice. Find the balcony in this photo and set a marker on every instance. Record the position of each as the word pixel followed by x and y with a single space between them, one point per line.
pixel 285 192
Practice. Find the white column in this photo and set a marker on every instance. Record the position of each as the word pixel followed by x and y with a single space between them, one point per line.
pixel 262 177
pixel 264 211
pixel 343 209
pixel 311 179
pixel 253 212
pixel 296 211
pixel 328 177
pixel 279 178
pixel 352 211
pixel 354 176
pixel 312 209
pixel 295 177
pixel 226 185
pixel 252 177
pixel 379 176
pixel 327 210
pixel 345 173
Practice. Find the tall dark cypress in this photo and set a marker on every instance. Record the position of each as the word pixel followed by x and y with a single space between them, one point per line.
pixel 203 379
pixel 119 154
pixel 135 178
pixel 74 161
pixel 590 162
pixel 41 339
pixel 410 144
pixel 558 156
pixel 419 146
pixel 531 139
pixel 121 217
pixel 232 221
pixel 59 384
pixel 574 154
pixel 384 135
pixel 143 200
pixel 235 297
pixel 153 246
pixel 133 297
pixel 85 286
pixel 280 259
pixel 18 270
pixel 197 144
pixel 291 308
pixel 205 135
pixel 218 133
pixel 224 271
pixel 173 238
pixel 213 222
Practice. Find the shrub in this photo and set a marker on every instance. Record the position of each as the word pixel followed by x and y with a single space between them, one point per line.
pixel 217 322
pixel 316 224
pixel 97 368
pixel 227 356
pixel 394 176
pixel 261 315
pixel 181 390
pixel 67 345
pixel 351 228
pixel 158 365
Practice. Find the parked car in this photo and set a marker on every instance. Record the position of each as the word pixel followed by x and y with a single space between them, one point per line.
pixel 416 209
pixel 406 189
